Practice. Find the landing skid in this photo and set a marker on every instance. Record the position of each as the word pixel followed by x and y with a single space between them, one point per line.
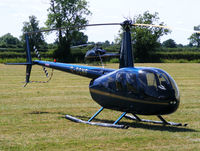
pixel 163 121
pixel 114 125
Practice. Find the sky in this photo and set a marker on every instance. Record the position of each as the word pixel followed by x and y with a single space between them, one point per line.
pixel 178 14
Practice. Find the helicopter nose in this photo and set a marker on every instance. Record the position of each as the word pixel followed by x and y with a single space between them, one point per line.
pixel 171 99
pixel 173 104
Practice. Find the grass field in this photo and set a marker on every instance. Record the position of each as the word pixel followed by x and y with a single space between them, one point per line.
pixel 32 118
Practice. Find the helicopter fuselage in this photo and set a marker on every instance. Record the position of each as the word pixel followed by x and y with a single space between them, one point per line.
pixel 145 91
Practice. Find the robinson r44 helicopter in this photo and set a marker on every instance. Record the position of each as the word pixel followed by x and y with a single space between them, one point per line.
pixel 96 53
pixel 129 89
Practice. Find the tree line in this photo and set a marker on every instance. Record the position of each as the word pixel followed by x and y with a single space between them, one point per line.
pixel 72 14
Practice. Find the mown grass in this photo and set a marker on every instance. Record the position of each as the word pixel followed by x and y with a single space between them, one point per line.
pixel 32 118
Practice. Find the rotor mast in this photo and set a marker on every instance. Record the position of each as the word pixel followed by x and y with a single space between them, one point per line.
pixel 126 54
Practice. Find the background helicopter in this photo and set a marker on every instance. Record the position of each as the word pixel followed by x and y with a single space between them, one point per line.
pixel 99 52
pixel 96 53
pixel 129 89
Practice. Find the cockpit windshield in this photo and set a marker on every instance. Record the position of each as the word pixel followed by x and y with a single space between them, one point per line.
pixel 149 82
pixel 157 83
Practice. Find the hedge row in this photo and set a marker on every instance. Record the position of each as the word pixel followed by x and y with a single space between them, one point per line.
pixel 187 55
pixel 20 50
pixel 179 49
pixel 23 55
pixel 80 56
pixel 11 50
pixel 19 60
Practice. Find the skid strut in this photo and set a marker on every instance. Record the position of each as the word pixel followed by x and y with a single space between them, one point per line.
pixel 114 125
pixel 101 109
pixel 163 121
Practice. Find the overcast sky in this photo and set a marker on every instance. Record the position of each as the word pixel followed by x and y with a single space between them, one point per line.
pixel 181 14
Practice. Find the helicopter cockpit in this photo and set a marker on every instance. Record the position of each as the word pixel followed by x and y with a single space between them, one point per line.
pixel 154 83
pixel 157 83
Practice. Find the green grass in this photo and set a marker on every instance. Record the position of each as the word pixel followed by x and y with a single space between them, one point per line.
pixel 32 118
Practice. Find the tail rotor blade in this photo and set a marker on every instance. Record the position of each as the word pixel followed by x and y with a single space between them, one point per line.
pixel 39 57
pixel 46 72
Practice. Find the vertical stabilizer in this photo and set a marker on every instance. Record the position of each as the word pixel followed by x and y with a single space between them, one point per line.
pixel 28 60
pixel 28 51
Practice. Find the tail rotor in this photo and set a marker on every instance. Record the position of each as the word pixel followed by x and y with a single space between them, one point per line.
pixel 39 57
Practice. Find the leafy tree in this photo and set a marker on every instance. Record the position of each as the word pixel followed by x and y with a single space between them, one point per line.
pixel 36 39
pixel 107 43
pixel 68 14
pixel 180 45
pixel 195 39
pixel 78 38
pixel 146 39
pixel 170 43
pixel 8 40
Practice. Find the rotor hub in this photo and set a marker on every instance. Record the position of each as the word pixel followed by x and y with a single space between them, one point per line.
pixel 127 24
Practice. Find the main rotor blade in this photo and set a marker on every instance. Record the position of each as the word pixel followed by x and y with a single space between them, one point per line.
pixel 105 24
pixel 44 30
pixel 167 27
pixel 83 45
pixel 76 26
pixel 150 25
pixel 111 24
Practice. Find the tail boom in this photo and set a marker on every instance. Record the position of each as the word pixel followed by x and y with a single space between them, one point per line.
pixel 86 71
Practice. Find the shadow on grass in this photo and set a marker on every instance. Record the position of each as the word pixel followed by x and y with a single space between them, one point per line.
pixel 38 112
pixel 42 112
pixel 131 124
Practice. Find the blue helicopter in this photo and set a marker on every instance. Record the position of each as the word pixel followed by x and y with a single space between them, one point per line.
pixel 99 53
pixel 96 53
pixel 129 89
